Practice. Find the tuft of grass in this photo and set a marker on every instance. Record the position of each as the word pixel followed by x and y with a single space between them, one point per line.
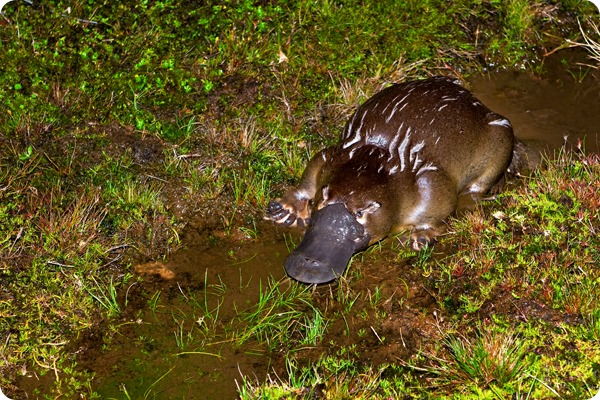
pixel 107 298
pixel 591 45
pixel 518 17
pixel 496 359
pixel 281 317
pixel 329 377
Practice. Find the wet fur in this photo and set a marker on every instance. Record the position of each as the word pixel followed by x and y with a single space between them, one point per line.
pixel 406 155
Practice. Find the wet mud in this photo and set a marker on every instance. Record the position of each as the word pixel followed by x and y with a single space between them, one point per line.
pixel 561 107
pixel 158 349
pixel 165 347
pixel 143 357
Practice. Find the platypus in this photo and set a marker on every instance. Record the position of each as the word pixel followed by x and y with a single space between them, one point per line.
pixel 405 157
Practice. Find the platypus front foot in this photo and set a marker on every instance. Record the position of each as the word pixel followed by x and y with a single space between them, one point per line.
pixel 288 214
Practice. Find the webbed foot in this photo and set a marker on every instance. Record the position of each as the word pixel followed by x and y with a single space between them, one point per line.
pixel 286 213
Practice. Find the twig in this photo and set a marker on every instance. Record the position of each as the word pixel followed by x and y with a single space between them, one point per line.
pixel 189 155
pixel 121 246
pixel 376 335
pixel 157 178
pixel 51 262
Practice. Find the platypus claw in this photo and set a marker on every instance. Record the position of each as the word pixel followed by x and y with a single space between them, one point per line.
pixel 276 212
pixel 421 240
pixel 285 214
pixel 290 220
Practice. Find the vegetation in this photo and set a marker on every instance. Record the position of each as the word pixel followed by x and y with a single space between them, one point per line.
pixel 124 122
pixel 529 266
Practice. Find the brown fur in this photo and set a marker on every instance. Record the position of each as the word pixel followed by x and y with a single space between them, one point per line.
pixel 406 155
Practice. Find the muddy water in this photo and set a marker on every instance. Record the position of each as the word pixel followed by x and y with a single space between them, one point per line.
pixel 562 105
pixel 178 350
pixel 146 357
pixel 169 350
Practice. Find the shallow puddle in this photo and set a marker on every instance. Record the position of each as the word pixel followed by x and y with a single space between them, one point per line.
pixel 547 111
pixel 183 345
pixel 170 351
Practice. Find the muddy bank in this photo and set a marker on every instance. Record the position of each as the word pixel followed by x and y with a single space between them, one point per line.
pixel 162 351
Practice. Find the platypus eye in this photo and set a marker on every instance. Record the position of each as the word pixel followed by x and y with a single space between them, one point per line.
pixel 373 206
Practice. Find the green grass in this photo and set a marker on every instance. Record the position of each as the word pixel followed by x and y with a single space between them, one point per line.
pixel 494 363
pixel 121 121
pixel 549 223
pixel 330 377
pixel 542 245
pixel 282 317
pixel 106 298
